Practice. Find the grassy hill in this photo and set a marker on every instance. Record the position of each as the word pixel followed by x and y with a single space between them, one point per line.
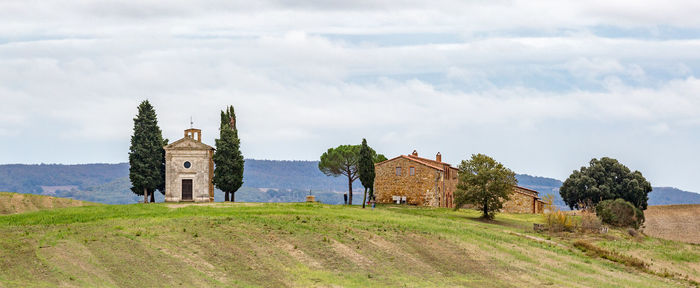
pixel 11 203
pixel 306 245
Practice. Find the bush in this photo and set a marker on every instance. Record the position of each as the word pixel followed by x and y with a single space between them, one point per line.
pixel 590 222
pixel 620 213
pixel 557 221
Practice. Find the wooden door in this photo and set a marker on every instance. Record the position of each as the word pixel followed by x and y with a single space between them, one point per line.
pixel 186 189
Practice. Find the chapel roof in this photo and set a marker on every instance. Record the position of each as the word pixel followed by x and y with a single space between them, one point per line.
pixel 187 143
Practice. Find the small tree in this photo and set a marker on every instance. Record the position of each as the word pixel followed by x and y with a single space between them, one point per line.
pixel 602 180
pixel 146 152
pixel 342 160
pixel 228 173
pixel 366 168
pixel 485 183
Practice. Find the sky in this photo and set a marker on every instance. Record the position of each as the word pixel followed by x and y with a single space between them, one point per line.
pixel 541 86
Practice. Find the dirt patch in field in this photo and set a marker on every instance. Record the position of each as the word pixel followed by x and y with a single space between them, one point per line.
pixel 295 252
pixel 393 249
pixel 673 222
pixel 351 254
pixel 75 260
pixel 193 260
pixel 444 255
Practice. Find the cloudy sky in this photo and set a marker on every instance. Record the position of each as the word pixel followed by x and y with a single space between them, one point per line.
pixel 541 86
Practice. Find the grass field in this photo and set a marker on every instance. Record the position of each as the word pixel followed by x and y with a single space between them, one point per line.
pixel 301 245
pixel 11 203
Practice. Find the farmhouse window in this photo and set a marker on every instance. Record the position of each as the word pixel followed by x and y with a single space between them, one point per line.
pixel 412 171
pixel 398 171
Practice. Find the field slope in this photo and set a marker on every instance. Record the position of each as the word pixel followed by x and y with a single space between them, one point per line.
pixel 307 245
pixel 674 222
pixel 11 203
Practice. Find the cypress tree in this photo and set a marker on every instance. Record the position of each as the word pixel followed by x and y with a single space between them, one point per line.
pixel 228 159
pixel 146 152
pixel 366 168
pixel 161 185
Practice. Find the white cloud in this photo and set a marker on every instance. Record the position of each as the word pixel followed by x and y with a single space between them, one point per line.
pixel 307 75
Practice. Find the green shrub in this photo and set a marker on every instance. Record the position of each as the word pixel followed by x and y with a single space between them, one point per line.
pixel 619 213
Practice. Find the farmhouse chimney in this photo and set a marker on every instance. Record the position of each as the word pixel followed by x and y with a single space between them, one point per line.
pixel 415 153
pixel 438 157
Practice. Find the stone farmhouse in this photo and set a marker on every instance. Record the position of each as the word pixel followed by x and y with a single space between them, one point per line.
pixel 189 168
pixel 426 182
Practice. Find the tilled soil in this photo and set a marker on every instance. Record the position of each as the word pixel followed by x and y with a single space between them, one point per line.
pixel 674 222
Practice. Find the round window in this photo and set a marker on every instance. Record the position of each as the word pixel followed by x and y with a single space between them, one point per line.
pixel 188 164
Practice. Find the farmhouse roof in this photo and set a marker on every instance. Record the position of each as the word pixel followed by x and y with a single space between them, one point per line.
pixel 442 166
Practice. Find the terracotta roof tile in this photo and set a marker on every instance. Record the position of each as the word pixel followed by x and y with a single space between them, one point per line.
pixel 415 159
pixel 427 162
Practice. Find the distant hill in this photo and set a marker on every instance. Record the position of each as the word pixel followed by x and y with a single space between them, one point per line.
pixel 670 196
pixel 264 181
pixel 30 178
pixel 658 196
pixel 546 186
pixel 285 174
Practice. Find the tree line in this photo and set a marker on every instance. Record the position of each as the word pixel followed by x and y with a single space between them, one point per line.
pixel 487 184
pixel 482 181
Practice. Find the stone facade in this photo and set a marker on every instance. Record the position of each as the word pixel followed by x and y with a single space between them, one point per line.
pixel 189 168
pixel 432 183
pixel 422 181
pixel 523 200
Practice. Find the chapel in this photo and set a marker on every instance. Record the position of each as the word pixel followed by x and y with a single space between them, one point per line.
pixel 189 169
